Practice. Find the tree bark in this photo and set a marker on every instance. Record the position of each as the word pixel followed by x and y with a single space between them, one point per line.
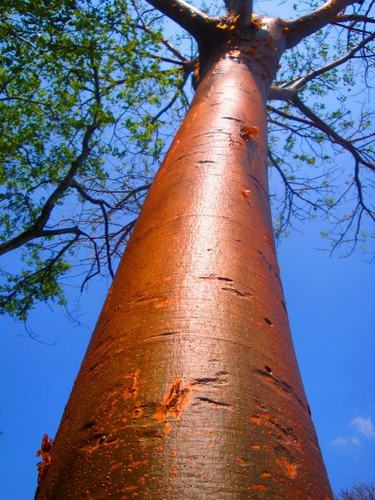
pixel 190 388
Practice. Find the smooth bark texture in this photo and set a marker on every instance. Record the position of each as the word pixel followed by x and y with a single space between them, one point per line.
pixel 190 388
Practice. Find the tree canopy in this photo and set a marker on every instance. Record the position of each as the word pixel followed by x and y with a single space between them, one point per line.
pixel 92 91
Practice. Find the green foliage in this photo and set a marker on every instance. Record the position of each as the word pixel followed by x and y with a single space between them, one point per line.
pixel 90 94
pixel 38 282
pixel 80 85
pixel 325 158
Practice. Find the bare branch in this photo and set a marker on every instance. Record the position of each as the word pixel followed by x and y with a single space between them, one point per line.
pixel 163 40
pixel 96 264
pixel 281 93
pixel 36 230
pixel 125 233
pixel 359 161
pixel 194 21
pixel 107 242
pixel 58 232
pixel 175 97
pixel 356 18
pixel 84 194
pixel 302 27
pixel 334 64
pixel 332 134
pixel 287 183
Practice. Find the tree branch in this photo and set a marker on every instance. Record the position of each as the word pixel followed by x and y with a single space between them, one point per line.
pixel 355 18
pixel 332 134
pixel 334 64
pixel 125 232
pixel 144 187
pixel 241 8
pixel 20 285
pixel 287 183
pixel 84 194
pixel 300 28
pixel 281 93
pixel 314 120
pixel 163 40
pixel 36 230
pixel 194 21
pixel 180 86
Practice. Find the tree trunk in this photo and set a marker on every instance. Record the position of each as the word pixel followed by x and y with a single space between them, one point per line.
pixel 190 388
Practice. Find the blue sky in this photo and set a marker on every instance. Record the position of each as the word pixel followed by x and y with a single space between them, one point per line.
pixel 331 304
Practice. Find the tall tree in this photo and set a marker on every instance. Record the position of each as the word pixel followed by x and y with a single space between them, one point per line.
pixel 90 93
pixel 190 384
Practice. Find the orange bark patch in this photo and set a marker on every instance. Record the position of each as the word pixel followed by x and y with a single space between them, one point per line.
pixel 258 487
pixel 256 23
pixel 167 427
pixel 44 452
pixel 131 386
pixel 142 480
pixel 175 402
pixel 248 133
pixel 246 192
pixel 256 420
pixel 134 464
pixel 290 468
pixel 267 238
pixel 163 304
pixel 129 488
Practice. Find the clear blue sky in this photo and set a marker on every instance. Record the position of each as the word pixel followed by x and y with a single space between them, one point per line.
pixel 331 304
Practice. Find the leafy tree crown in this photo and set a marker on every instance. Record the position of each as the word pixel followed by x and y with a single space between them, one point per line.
pixel 91 93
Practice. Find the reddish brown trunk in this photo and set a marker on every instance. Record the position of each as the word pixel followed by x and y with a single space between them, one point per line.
pixel 190 386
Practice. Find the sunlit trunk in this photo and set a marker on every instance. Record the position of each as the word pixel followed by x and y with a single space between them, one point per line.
pixel 190 387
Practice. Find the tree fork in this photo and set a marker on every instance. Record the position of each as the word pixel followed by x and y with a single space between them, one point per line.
pixel 190 387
